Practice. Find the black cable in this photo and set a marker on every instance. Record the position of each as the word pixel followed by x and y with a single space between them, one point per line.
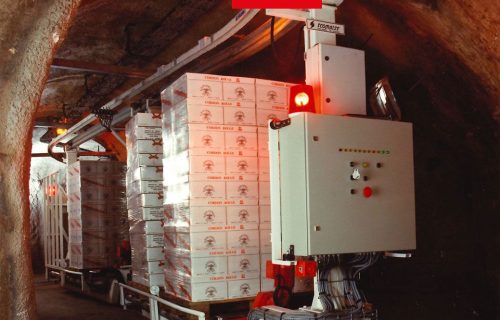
pixel 258 314
pixel 276 57
pixel 278 297
pixel 362 47
pixel 273 48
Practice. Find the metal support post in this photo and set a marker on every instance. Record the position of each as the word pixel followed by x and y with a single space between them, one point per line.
pixel 71 156
pixel 156 300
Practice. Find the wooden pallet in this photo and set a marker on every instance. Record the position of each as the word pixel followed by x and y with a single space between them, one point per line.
pixel 217 309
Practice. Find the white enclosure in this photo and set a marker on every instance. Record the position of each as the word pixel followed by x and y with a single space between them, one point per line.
pixel 341 185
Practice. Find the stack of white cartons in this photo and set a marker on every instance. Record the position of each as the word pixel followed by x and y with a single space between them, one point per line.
pixel 96 213
pixel 211 133
pixel 145 197
pixel 272 102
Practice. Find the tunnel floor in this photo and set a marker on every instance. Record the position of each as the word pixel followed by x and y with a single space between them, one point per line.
pixel 55 303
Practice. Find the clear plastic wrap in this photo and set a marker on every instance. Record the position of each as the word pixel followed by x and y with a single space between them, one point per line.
pixel 207 167
pixel 148 279
pixel 198 269
pixel 134 133
pixel 145 197
pixel 149 146
pixel 150 240
pixel 263 143
pixel 183 287
pixel 151 213
pixel 185 218
pixel 153 267
pixel 216 182
pixel 265 215
pixel 145 120
pixel 96 213
pixel 196 244
pixel 192 85
pixel 136 160
pixel 141 254
pixel 139 226
pixel 139 187
pixel 145 173
pixel 211 243
pixel 147 255
pixel 213 192
pixel 145 200
pixel 265 239
pixel 186 287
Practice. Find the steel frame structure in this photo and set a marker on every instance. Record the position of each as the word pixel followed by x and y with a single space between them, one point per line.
pixel 154 311
pixel 54 234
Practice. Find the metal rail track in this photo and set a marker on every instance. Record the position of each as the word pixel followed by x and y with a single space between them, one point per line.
pixel 250 44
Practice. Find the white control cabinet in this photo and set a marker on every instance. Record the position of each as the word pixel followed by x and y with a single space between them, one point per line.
pixel 341 185
pixel 337 75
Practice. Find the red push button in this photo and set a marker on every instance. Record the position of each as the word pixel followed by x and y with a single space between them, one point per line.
pixel 367 192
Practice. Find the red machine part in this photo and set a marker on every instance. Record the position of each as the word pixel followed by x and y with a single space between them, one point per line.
pixel 306 268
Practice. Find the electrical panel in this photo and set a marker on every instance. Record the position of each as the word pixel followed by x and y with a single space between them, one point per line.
pixel 337 75
pixel 341 185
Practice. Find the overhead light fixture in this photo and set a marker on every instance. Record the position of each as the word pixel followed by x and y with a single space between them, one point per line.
pixel 60 131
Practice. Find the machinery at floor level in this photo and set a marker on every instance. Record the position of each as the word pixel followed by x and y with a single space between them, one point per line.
pixel 342 192
pixel 342 184
pixel 100 283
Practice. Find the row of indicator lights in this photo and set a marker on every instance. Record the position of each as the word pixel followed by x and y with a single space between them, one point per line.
pixel 365 164
pixel 364 151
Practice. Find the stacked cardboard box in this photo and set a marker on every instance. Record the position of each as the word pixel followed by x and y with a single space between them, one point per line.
pixel 97 220
pixel 145 197
pixel 272 102
pixel 217 184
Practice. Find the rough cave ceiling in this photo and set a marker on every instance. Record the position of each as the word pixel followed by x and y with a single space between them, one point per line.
pixel 137 37
pixel 448 47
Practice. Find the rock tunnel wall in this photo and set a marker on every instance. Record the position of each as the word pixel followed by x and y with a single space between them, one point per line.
pixel 29 32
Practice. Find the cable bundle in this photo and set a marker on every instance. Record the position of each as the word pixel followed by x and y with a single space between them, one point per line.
pixel 337 284
pixel 105 116
pixel 286 314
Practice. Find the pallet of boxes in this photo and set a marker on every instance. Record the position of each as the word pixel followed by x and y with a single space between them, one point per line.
pixel 145 197
pixel 217 213
pixel 97 223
